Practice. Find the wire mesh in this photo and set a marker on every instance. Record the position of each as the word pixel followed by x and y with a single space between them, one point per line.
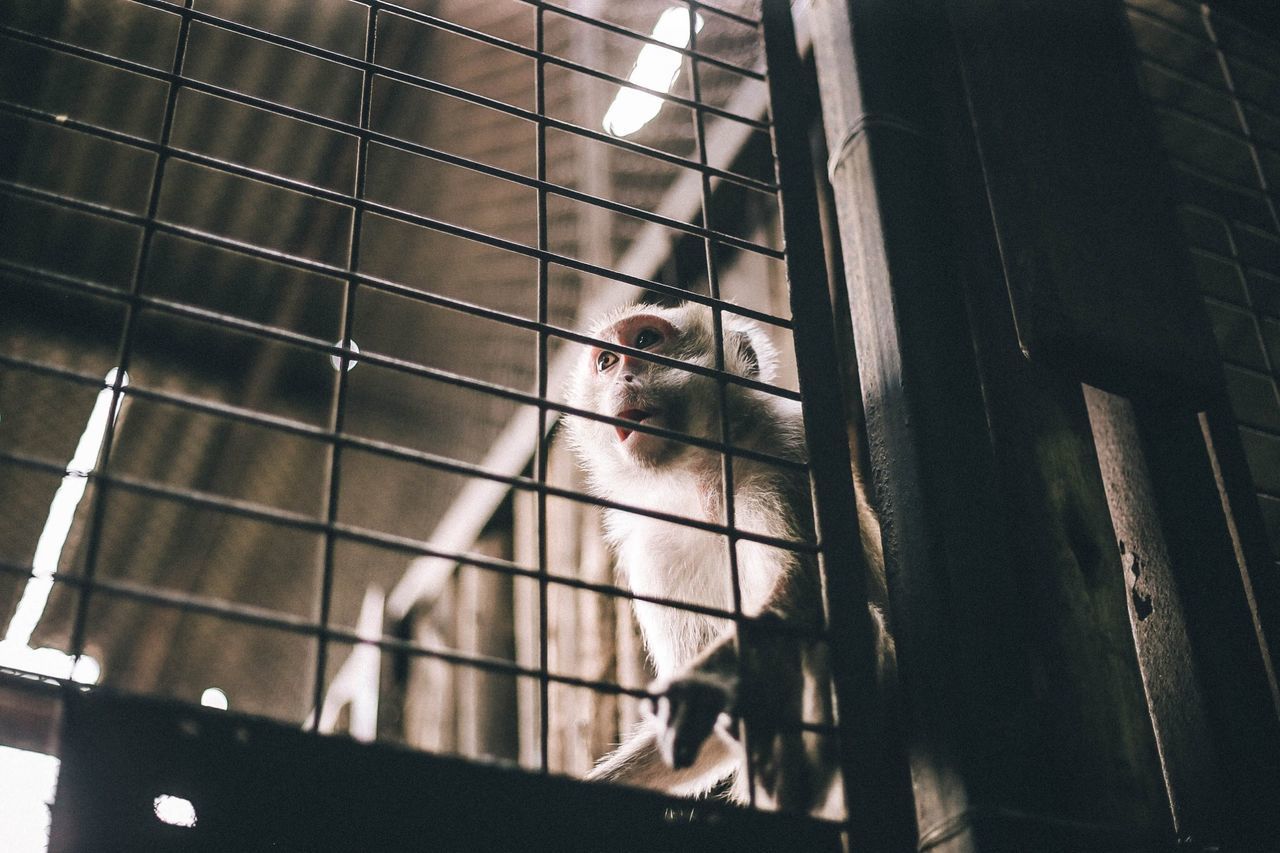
pixel 337 255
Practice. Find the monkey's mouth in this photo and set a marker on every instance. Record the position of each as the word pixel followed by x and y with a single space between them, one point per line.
pixel 637 415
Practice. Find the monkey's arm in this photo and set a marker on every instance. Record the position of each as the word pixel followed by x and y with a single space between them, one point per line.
pixel 639 762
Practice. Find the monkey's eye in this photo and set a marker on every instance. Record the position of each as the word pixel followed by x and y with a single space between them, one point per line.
pixel 605 360
pixel 647 338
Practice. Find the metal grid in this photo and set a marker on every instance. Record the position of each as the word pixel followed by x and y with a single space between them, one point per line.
pixel 1215 85
pixel 323 421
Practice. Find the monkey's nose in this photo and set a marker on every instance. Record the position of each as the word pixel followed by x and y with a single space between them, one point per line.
pixel 628 377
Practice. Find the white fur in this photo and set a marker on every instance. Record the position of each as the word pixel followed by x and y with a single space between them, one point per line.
pixel 695 655
pixel 663 559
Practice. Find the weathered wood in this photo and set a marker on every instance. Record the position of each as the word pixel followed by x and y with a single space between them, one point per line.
pixel 589 636
pixel 1026 722
pixel 486 700
pixel 1191 769
pixel 1225 652
pixel 944 544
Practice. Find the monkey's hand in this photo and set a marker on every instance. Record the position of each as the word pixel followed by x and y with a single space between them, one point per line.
pixel 687 709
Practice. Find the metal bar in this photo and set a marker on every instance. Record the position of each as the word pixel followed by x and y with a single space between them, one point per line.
pixel 365 536
pixel 343 364
pixel 275 620
pixel 265 331
pixel 124 354
pixel 392 213
pixel 540 184
pixel 865 756
pixel 368 66
pixel 346 127
pixel 618 29
pixel 726 436
pixel 540 445
pixel 387 449
pixel 745 20
pixel 515 47
pixel 260 512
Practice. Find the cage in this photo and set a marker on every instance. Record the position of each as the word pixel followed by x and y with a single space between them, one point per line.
pixel 294 554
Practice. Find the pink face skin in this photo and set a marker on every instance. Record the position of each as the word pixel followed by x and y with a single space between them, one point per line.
pixel 620 373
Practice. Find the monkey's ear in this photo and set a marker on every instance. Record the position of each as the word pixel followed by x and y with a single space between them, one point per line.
pixel 742 352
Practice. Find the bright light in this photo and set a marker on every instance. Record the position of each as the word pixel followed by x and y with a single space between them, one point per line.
pixel 62 512
pixel 174 811
pixel 656 68
pixel 214 698
pixel 15 648
pixel 27 783
pixel 336 361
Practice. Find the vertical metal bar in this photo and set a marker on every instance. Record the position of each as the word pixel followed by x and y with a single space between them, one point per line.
pixel 540 451
pixel 124 354
pixel 338 416
pixel 865 756
pixel 717 331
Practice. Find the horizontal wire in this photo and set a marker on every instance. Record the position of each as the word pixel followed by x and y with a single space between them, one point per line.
pixel 746 21
pixel 339 58
pixel 516 47
pixel 405 291
pixel 437 225
pixel 264 618
pixel 349 200
pixel 261 616
pixel 413 368
pixel 728 14
pixel 618 29
pixel 386 449
pixel 299 521
pixel 355 130
pixel 271 618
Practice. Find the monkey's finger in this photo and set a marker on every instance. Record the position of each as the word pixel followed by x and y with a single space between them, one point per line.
pixel 691 725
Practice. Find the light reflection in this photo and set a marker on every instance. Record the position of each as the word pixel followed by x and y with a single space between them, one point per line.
pixel 656 68
pixel 27 783
pixel 15 648
pixel 175 811
pixel 214 698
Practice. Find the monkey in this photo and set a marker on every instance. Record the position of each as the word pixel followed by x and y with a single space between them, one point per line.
pixel 689 744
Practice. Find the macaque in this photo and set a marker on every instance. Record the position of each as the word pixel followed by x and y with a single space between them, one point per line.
pixel 689 744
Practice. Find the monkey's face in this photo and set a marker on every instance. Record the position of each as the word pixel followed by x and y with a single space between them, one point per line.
pixel 627 386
